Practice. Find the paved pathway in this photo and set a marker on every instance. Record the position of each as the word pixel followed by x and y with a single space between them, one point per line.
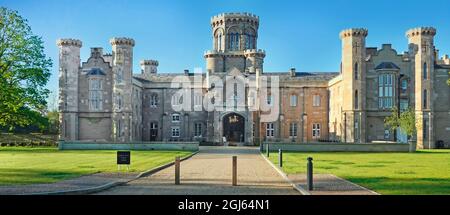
pixel 328 184
pixel 209 173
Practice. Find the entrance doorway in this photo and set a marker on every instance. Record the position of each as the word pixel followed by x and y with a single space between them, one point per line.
pixel 153 131
pixel 234 127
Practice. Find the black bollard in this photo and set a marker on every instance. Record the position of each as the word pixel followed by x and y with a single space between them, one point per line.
pixel 267 150
pixel 177 170
pixel 309 174
pixel 280 157
pixel 234 171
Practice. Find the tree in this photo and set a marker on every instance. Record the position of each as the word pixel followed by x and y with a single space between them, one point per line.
pixel 406 121
pixel 24 72
pixel 53 122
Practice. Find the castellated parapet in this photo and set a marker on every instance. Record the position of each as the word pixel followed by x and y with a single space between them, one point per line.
pixel 117 41
pixel 149 62
pixel 423 31
pixel 354 32
pixel 230 17
pixel 255 53
pixel 149 68
pixel 69 42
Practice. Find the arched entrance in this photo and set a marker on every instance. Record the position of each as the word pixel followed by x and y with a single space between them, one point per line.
pixel 234 127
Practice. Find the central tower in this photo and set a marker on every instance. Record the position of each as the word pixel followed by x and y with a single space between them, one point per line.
pixel 235 42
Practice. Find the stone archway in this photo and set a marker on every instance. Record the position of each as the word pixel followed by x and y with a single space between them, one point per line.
pixel 234 127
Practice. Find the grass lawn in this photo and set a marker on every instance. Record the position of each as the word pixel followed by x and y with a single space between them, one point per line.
pixel 22 165
pixel 423 172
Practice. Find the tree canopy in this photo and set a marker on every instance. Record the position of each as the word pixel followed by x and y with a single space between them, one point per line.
pixel 24 72
pixel 406 121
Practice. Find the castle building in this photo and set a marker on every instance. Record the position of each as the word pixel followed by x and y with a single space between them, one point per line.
pixel 103 100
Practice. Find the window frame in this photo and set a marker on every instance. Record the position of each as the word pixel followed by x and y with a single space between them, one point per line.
pixel 176 118
pixel 316 100
pixel 293 130
pixel 270 130
pixel 316 130
pixel 175 132
pixel 293 100
pixel 198 129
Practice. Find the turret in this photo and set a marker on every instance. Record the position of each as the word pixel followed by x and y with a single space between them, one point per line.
pixel 353 76
pixel 149 68
pixel 122 53
pixel 254 60
pixel 235 31
pixel 421 43
pixel 235 45
pixel 69 67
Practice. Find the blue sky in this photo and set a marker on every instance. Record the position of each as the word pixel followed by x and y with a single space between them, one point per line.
pixel 301 34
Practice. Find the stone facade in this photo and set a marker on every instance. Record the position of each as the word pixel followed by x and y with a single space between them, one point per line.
pixel 103 100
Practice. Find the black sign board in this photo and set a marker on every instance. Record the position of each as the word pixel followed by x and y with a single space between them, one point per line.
pixel 123 158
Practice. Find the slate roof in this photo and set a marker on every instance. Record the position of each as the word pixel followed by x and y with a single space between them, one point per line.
pixel 95 71
pixel 387 65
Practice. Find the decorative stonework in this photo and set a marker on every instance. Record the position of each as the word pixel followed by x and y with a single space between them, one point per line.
pixel 69 42
pixel 149 62
pixel 354 32
pixel 234 17
pixel 425 31
pixel 255 53
pixel 122 41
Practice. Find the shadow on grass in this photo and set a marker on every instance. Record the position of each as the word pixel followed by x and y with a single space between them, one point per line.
pixel 433 151
pixel 371 165
pixel 29 149
pixel 30 176
pixel 403 186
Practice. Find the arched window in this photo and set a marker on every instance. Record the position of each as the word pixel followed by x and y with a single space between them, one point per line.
pixel 218 39
pixel 249 37
pixel 356 71
pixel 233 39
pixel 236 42
pixel 219 43
pixel 356 99
pixel 425 72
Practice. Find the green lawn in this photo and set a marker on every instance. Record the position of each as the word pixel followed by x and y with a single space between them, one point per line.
pixel 22 165
pixel 423 172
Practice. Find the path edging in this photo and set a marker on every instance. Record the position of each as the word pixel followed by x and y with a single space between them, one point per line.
pixel 109 185
pixel 295 186
pixel 357 185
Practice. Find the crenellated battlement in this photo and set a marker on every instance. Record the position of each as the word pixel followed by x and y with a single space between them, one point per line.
pixel 254 53
pixel 121 41
pixel 69 42
pixel 424 31
pixel 223 17
pixel 355 32
pixel 149 63
pixel 212 53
